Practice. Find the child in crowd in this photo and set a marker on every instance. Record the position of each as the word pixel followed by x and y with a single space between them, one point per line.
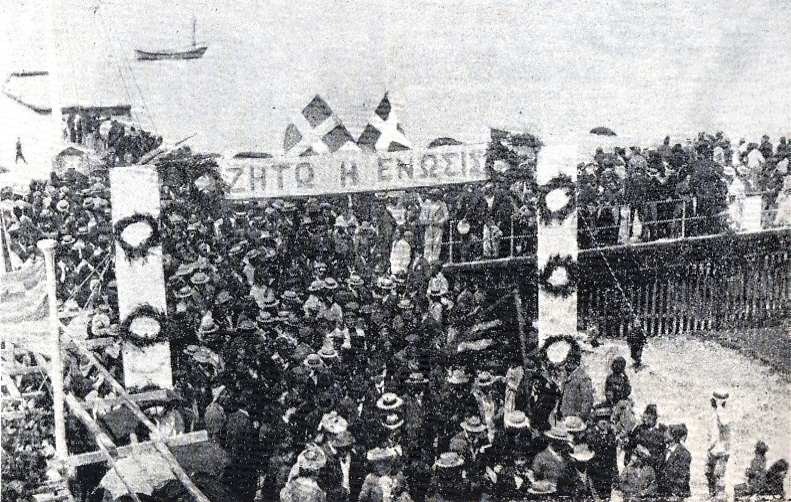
pixel 617 386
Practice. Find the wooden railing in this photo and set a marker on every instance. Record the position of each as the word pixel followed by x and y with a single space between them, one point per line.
pixel 687 285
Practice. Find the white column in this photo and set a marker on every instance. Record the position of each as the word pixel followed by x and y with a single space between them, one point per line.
pixel 557 240
pixel 47 246
pixel 135 189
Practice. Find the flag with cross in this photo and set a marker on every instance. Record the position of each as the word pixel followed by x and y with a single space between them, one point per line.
pixel 317 130
pixel 383 132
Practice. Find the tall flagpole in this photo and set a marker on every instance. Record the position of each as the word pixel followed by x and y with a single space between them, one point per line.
pixel 47 246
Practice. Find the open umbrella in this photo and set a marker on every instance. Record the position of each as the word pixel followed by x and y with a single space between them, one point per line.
pixel 603 131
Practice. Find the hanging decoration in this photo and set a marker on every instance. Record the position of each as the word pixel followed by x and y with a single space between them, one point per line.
pixel 559 182
pixel 144 326
pixel 557 264
pixel 141 249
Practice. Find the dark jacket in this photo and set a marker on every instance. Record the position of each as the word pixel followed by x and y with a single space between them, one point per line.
pixel 673 478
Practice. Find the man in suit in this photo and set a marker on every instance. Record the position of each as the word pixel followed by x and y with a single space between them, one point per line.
pixel 673 478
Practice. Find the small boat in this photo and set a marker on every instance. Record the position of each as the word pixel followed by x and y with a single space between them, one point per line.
pixel 193 52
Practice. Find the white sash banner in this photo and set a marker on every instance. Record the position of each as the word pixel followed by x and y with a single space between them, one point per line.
pixel 347 172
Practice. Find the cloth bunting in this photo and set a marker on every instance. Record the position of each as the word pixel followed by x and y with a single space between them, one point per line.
pixel 383 133
pixel 317 130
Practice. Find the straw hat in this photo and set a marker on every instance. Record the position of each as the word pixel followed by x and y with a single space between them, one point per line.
pixel 542 487
pixel 389 401
pixel 328 352
pixel 473 424
pixel 269 300
pixel 330 283
pixel 316 285
pixel 199 278
pixel 484 379
pixel 385 282
pixel 405 304
pixel 207 325
pixel 458 376
pixel 381 454
pixel 448 460
pixel 333 423
pixel 355 280
pixel 393 421
pixel 582 453
pixel 183 270
pixel 290 296
pixel 313 361
pixel 516 420
pixel 265 317
pixel 312 459
pixel 574 424
pixel 184 292
pixel 62 206
pixel 416 378
pixel 557 432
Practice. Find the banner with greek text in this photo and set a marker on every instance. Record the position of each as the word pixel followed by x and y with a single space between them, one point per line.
pixel 346 172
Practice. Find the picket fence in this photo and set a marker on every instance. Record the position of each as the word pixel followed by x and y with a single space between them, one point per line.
pixel 687 285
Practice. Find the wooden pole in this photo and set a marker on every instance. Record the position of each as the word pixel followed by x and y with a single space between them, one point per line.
pixel 47 246
pixel 156 438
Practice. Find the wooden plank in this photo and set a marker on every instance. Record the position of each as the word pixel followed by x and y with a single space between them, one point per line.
pixel 23 370
pixel 125 451
pixel 159 394
pixel 102 438
pixel 156 437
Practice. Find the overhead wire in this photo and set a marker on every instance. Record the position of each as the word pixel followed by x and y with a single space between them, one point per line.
pixel 133 77
pixel 120 72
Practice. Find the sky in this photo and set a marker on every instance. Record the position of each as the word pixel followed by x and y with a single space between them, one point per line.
pixel 644 68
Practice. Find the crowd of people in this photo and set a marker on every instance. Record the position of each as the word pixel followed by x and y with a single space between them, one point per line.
pixel 122 144
pixel 327 353
pixel 671 191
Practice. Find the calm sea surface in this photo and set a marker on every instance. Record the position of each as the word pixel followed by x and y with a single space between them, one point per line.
pixel 645 69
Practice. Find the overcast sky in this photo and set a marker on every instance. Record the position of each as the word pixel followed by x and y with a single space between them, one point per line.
pixel 644 68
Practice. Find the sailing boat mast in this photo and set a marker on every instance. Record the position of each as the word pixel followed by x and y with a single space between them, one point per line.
pixel 194 40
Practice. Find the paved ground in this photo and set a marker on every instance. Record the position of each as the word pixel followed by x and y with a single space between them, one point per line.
pixel 679 376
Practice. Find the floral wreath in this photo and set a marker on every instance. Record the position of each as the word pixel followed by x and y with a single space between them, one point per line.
pixel 142 249
pixel 548 216
pixel 143 311
pixel 555 262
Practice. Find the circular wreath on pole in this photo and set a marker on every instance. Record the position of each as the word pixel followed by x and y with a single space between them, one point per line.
pixel 562 182
pixel 141 249
pixel 554 264
pixel 144 326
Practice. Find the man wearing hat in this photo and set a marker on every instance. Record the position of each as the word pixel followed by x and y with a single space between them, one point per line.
pixel 450 481
pixel 673 477
pixel 342 474
pixel 649 434
pixel 719 443
pixel 305 487
pixel 387 484
pixel 551 464
pixel 473 444
pixel 603 467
